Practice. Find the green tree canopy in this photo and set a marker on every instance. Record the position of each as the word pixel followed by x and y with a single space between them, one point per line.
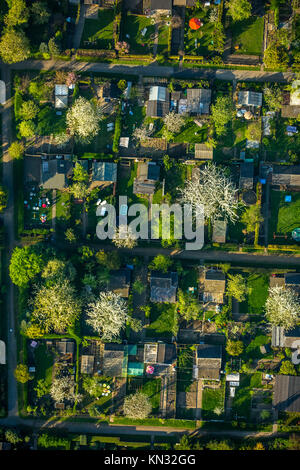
pixel 16 149
pixel 29 110
pixel 25 264
pixel 14 46
pixel 287 368
pixel 109 259
pixel 22 373
pixel 239 9
pixel 40 13
pixel 251 217
pixel 276 56
pixel 222 113
pixel 18 14
pixel 188 306
pixel 80 174
pixel 234 348
pixel 236 287
pixel 27 129
pixel 3 198
pixel 160 263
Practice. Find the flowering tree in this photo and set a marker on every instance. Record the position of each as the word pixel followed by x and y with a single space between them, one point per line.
pixel 124 237
pixel 55 307
pixel 63 389
pixel 212 189
pixel 283 307
pixel 122 46
pixel 140 133
pixel 108 315
pixel 61 140
pixel 71 79
pixel 83 119
pixel 173 122
pixel 137 406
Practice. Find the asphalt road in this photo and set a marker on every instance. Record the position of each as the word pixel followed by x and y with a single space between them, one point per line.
pixel 8 220
pixel 155 70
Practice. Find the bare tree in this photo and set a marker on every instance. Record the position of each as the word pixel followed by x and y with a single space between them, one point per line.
pixel 211 189
pixel 283 307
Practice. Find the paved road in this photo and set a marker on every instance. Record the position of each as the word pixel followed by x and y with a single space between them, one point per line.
pixel 8 220
pixel 109 429
pixel 155 70
pixel 239 259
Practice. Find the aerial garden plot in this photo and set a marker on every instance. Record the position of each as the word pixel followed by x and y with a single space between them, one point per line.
pixel 98 32
pixel 247 36
pixel 199 32
pixel 138 32
pixel 285 216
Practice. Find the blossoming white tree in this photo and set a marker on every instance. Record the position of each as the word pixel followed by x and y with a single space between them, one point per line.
pixel 55 307
pixel 173 122
pixel 283 307
pixel 140 133
pixel 212 189
pixel 83 119
pixel 108 315
pixel 63 389
pixel 137 406
pixel 124 237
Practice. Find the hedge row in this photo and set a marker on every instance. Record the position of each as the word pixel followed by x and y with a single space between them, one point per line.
pixel 96 53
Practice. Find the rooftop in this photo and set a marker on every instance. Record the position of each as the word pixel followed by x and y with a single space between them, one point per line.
pixel 163 287
pixel 104 171
pixel 287 393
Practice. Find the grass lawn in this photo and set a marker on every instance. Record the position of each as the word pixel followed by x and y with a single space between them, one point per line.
pixel 174 178
pixel 44 364
pixel 131 121
pixel 189 278
pixel 132 26
pixel 102 143
pixel 185 360
pixel 163 320
pixel 49 122
pixel 149 386
pixel 99 31
pixel 252 350
pixel 196 42
pixel 103 403
pixel 63 213
pixel 235 230
pixel 125 188
pixel 248 35
pixel 241 402
pixel 212 399
pixel 285 216
pixel 279 144
pixel 191 133
pixel 163 38
pixel 258 285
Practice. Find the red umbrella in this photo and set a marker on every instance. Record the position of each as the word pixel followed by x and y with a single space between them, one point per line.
pixel 195 23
